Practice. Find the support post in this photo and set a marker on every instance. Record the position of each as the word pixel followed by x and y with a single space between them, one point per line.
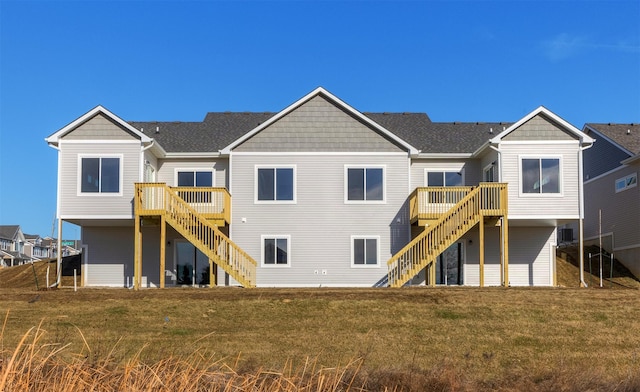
pixel 137 253
pixel 59 255
pixel 481 250
pixel 505 256
pixel 212 274
pixel 163 250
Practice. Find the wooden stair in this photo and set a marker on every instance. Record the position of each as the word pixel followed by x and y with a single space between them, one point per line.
pixel 485 200
pixel 160 199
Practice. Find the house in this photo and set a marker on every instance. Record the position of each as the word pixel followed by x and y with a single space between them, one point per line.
pixel 36 248
pixel 12 243
pixel 612 195
pixel 318 194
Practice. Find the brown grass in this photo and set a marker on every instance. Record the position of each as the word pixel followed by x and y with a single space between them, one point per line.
pixel 371 339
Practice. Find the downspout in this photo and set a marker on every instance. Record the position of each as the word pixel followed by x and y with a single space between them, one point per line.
pixel 581 217
pixel 499 164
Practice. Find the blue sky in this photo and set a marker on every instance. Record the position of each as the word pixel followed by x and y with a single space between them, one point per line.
pixel 456 61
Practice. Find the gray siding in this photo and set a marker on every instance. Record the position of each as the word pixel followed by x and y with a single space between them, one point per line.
pixel 620 211
pixel 96 205
pixel 109 256
pixel 318 125
pixel 99 127
pixel 539 128
pixel 602 157
pixel 320 224
pixel 565 205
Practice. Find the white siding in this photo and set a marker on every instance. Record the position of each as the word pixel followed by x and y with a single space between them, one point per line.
pixel 320 223
pixel 96 205
pixel 530 257
pixel 563 206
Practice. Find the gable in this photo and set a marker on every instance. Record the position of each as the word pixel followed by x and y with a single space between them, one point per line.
pixel 319 125
pixel 539 127
pixel 99 127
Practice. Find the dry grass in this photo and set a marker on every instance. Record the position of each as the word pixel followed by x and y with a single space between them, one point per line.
pixel 372 339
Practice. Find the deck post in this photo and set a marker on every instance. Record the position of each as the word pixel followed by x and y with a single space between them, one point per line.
pixel 163 250
pixel 212 274
pixel 137 245
pixel 481 250
pixel 505 255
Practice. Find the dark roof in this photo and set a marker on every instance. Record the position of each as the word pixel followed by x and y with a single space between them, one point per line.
pixel 438 137
pixel 618 133
pixel 9 231
pixel 217 131
pixel 220 129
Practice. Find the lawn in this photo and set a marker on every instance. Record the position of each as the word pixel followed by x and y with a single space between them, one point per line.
pixel 457 338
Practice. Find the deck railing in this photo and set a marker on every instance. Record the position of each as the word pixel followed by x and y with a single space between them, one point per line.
pixel 212 203
pixel 488 199
pixel 160 199
pixel 428 203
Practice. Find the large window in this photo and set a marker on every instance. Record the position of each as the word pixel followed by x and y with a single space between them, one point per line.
pixel 275 250
pixel 622 184
pixel 364 251
pixel 364 184
pixel 195 178
pixel 444 178
pixel 100 175
pixel 540 175
pixel 275 184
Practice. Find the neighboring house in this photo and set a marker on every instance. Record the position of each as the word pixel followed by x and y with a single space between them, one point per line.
pixel 318 194
pixel 36 248
pixel 12 244
pixel 612 195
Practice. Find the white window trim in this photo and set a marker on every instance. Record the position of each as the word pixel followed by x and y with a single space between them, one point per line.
pixel 255 184
pixel 99 194
pixel 194 169
pixel 365 237
pixel 625 179
pixel 560 176
pixel 365 166
pixel 276 237
pixel 440 170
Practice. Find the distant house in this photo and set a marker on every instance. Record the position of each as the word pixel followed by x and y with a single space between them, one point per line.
pixel 319 194
pixel 612 195
pixel 12 246
pixel 36 248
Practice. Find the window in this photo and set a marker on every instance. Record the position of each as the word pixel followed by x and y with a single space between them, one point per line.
pixel 275 184
pixel 622 184
pixel 364 251
pixel 365 184
pixel 100 175
pixel 275 250
pixel 540 175
pixel 444 178
pixel 195 178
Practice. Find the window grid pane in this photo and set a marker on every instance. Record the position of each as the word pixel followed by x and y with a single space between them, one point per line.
pixel 284 184
pixel 90 181
pixel 531 176
pixel 371 251
pixel 355 184
pixel 204 179
pixel 266 189
pixel 281 256
pixel 550 169
pixel 374 183
pixel 358 251
pixel 110 175
pixel 185 179
pixel 269 251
